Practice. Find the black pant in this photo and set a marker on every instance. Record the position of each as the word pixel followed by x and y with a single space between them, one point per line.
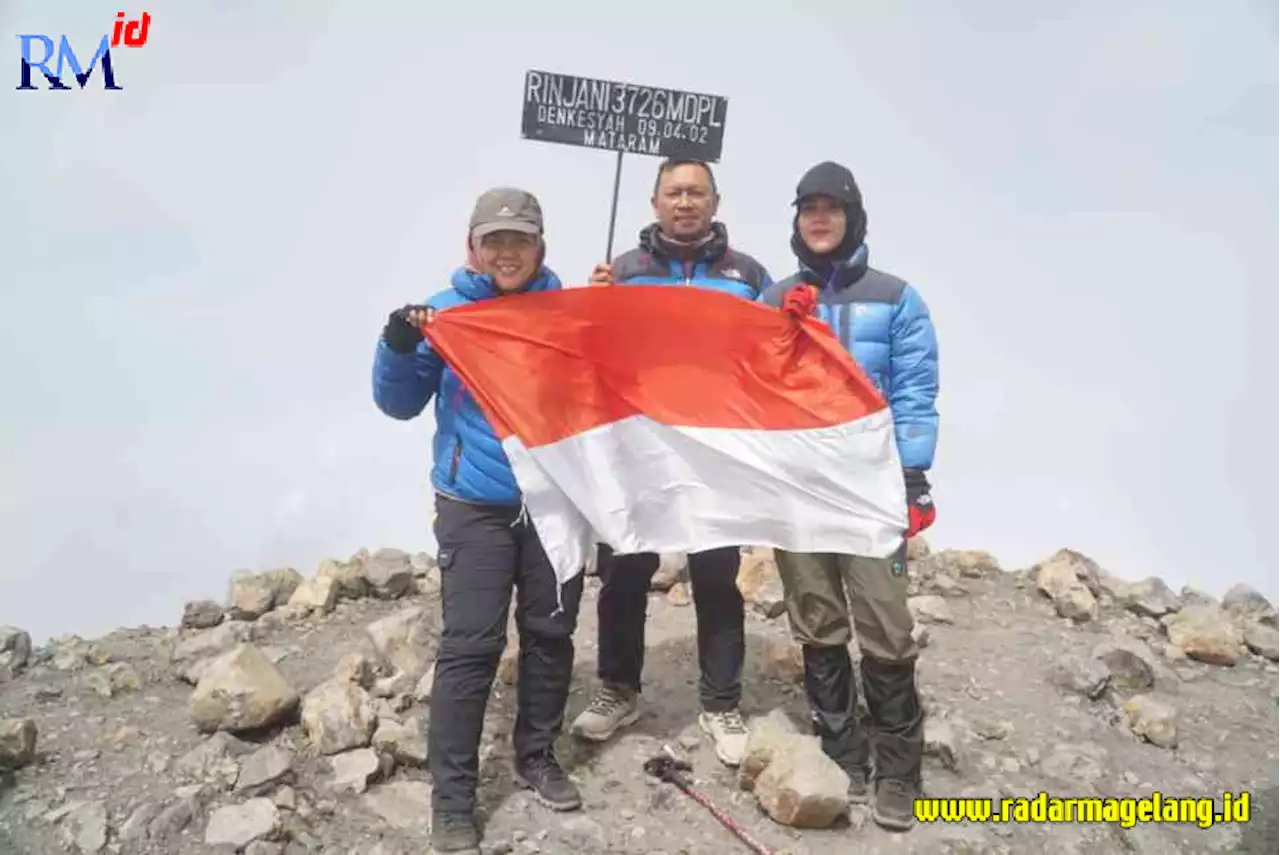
pixel 624 600
pixel 484 552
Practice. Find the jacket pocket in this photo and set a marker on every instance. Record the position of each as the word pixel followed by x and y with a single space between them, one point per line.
pixel 456 461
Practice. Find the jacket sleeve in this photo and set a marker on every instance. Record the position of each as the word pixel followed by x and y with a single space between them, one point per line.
pixel 914 380
pixel 403 383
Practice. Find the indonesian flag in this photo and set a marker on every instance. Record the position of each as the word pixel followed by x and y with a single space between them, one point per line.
pixel 659 419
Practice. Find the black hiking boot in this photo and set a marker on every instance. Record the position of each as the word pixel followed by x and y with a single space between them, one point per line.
pixel 550 785
pixel 454 833
pixel 832 694
pixel 895 804
pixel 898 721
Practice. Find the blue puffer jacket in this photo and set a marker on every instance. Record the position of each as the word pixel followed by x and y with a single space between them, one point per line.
pixel 717 268
pixel 469 462
pixel 884 323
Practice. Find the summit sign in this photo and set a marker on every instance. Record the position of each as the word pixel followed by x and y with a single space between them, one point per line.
pixel 622 117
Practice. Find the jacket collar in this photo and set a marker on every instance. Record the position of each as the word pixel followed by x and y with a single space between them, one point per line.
pixel 840 274
pixel 710 250
pixel 476 286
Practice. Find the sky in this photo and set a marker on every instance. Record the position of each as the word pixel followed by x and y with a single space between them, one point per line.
pixel 196 268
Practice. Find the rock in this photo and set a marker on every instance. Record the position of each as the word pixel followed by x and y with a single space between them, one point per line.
pixel 782 659
pixel 1060 579
pixel 86 828
pixel 422 693
pixel 240 825
pixel 673 567
pixel 17 742
pixel 679 594
pixel 114 679
pixel 766 736
pixel 268 766
pixel 315 596
pixel 1130 662
pixel 964 563
pixel 1149 598
pixel 1190 596
pixel 135 828
pixel 1088 677
pixel 201 614
pixel 213 761
pixel 402 804
pixel 930 609
pixel 1081 762
pixel 1206 634
pixel 211 642
pixel 940 742
pixel 405 743
pixel 917 549
pixel 403 641
pixel 353 770
pixel 254 594
pixel 946 585
pixel 348 575
pixel 338 716
pixel 802 787
pixel 356 668
pixel 241 690
pixel 15 651
pixel 1152 720
pixel 1263 640
pixel 759 582
pixel 177 816
pixel 389 573
pixel 1245 601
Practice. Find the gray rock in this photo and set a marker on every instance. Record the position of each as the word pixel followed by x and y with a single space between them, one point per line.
pixel 17 742
pixel 338 716
pixel 85 828
pixel 241 690
pixel 930 609
pixel 1263 640
pixel 1075 674
pixel 15 651
pixel 1152 720
pixel 389 573
pixel 240 825
pixel 401 804
pixel 802 787
pixel 268 766
pixel 1131 663
pixel 202 614
pixel 1150 598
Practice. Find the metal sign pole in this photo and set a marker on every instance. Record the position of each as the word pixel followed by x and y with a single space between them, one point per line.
pixel 613 211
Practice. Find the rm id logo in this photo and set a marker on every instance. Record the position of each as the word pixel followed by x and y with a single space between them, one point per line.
pixel 39 50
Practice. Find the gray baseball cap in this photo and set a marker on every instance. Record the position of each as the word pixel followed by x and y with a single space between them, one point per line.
pixel 505 209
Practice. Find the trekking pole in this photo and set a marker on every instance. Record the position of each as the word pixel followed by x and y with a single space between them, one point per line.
pixel 666 767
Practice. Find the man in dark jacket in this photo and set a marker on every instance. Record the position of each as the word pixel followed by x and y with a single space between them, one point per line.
pixel 885 325
pixel 685 247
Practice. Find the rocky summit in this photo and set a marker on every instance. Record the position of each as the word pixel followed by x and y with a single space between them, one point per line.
pixel 291 718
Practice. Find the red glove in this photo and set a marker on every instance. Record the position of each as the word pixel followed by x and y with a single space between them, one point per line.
pixel 801 301
pixel 921 511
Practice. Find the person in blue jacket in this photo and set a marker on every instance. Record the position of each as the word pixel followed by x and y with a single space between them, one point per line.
pixel 885 325
pixel 487 546
pixel 685 247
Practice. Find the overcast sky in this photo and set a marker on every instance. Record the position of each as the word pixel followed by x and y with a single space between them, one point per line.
pixel 195 268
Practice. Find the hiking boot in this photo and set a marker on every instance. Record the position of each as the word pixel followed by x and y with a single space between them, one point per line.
pixel 550 785
pixel 895 804
pixel 859 784
pixel 729 732
pixel 611 707
pixel 454 833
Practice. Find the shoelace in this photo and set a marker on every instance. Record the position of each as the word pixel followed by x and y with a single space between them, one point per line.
pixel 606 701
pixel 731 722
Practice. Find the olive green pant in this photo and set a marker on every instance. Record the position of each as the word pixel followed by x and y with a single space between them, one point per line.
pixel 829 597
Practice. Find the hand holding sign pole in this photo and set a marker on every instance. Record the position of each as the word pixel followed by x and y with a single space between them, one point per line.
pixel 624 118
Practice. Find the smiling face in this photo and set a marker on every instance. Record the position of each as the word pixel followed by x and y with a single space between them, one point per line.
pixel 685 202
pixel 822 222
pixel 510 258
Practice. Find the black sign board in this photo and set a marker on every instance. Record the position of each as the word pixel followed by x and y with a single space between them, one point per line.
pixel 622 117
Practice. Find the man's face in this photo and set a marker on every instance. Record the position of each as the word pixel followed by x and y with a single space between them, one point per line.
pixel 511 258
pixel 821 223
pixel 685 204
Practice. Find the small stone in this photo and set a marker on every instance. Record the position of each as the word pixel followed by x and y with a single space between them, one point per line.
pixel 15 651
pixel 673 567
pixel 802 787
pixel 241 690
pixel 422 693
pixel 389 573
pixel 930 609
pixel 403 641
pixel 338 716
pixel 353 770
pixel 940 741
pixel 678 594
pixel 86 828
pixel 401 804
pixel 767 736
pixel 17 742
pixel 201 614
pixel 406 743
pixel 240 825
pixel 1149 598
pixel 1152 720
pixel 266 767
pixel 1087 677
pixel 1263 640
pixel 1129 661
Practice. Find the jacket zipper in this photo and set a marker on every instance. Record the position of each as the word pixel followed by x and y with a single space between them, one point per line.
pixel 457 459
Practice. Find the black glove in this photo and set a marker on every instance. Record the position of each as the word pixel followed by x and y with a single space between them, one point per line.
pixel 401 335
pixel 921 511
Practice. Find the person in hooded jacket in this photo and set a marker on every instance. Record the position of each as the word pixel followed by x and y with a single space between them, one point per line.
pixel 685 247
pixel 487 545
pixel 886 326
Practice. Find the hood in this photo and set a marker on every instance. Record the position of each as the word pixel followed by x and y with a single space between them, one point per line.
pixel 477 286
